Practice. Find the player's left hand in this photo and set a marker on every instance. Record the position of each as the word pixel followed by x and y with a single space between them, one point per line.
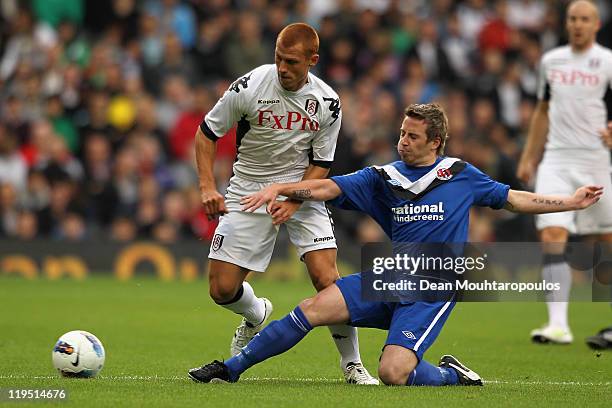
pixel 606 135
pixel 586 196
pixel 253 201
pixel 281 211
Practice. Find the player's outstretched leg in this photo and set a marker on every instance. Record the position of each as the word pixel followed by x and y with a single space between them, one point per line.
pixel 278 337
pixel 326 308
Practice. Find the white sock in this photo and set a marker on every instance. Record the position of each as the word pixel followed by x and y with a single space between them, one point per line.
pixel 347 343
pixel 557 314
pixel 557 301
pixel 248 305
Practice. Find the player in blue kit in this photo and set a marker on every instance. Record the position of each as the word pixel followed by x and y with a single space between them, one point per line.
pixel 447 187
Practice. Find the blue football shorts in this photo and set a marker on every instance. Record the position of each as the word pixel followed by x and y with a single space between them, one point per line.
pixel 413 325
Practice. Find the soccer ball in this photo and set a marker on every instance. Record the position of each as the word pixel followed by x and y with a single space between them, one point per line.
pixel 78 354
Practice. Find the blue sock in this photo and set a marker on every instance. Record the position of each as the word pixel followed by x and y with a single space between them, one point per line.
pixel 427 374
pixel 278 337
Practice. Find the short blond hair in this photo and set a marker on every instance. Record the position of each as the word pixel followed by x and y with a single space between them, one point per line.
pixel 436 120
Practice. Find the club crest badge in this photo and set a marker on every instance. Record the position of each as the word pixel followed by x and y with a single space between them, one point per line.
pixel 217 241
pixel 594 63
pixel 444 174
pixel 312 106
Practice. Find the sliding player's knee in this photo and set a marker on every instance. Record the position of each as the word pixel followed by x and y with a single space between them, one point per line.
pixel 393 374
pixel 311 310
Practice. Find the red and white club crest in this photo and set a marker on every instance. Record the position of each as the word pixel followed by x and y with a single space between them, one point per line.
pixel 444 174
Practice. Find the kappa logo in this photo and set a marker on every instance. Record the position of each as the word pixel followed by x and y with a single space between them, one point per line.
pixel 268 101
pixel 334 107
pixel 312 106
pixel 409 334
pixel 242 82
pixel 217 241
pixel 444 174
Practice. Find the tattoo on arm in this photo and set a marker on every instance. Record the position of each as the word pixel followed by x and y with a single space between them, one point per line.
pixel 301 194
pixel 547 202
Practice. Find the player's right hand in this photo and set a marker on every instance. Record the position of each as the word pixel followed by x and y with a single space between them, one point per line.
pixel 213 202
pixel 526 170
pixel 265 196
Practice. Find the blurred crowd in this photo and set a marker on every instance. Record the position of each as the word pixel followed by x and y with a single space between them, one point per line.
pixel 100 100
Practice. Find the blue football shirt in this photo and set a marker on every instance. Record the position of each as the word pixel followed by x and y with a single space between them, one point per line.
pixel 439 215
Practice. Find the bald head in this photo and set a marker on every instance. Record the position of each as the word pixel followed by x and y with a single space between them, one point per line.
pixel 299 33
pixel 584 6
pixel 582 24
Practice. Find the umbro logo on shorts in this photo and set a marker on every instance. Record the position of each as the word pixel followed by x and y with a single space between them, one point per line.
pixel 409 334
pixel 217 241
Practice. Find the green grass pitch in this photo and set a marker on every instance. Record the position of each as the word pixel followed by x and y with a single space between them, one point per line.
pixel 154 331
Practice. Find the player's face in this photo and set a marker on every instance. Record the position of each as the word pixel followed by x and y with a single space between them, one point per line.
pixel 582 24
pixel 292 65
pixel 413 147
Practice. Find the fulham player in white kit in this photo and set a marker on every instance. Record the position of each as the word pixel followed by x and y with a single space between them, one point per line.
pixel 288 122
pixel 570 140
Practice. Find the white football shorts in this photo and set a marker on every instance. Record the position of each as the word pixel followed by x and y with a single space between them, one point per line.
pixel 247 239
pixel 556 179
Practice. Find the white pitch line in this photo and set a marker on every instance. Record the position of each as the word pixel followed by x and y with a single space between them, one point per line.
pixel 304 380
pixel 578 383
pixel 158 378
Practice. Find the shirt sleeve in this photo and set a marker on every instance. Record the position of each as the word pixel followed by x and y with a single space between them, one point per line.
pixel 324 143
pixel 487 192
pixel 358 190
pixel 227 111
pixel 543 85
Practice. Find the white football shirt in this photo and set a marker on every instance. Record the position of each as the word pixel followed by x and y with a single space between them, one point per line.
pixel 279 132
pixel 575 85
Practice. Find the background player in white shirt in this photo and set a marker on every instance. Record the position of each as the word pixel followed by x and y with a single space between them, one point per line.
pixel 571 141
pixel 288 123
